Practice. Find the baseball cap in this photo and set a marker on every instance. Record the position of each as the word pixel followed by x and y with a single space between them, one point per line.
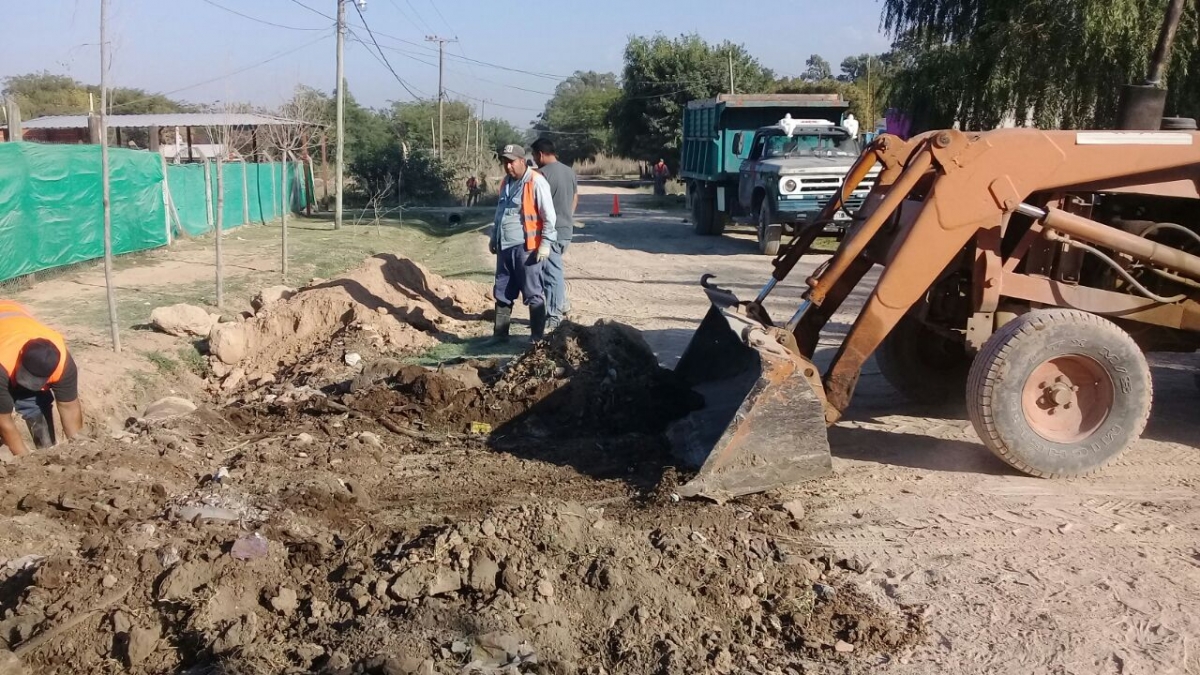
pixel 39 360
pixel 513 151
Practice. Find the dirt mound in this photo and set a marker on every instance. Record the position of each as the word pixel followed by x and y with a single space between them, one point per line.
pixel 584 381
pixel 389 304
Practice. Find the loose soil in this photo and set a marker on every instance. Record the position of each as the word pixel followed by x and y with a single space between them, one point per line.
pixel 326 514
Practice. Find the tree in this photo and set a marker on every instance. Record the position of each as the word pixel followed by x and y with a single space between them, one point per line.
pixel 660 76
pixel 979 63
pixel 576 118
pixel 818 69
pixel 41 94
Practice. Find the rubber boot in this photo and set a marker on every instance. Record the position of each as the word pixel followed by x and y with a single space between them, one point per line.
pixel 503 323
pixel 537 323
pixel 39 429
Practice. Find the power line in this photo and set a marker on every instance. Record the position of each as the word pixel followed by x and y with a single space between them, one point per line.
pixel 415 57
pixel 314 11
pixel 381 54
pixel 491 102
pixel 419 95
pixel 239 71
pixel 420 18
pixel 440 16
pixel 258 20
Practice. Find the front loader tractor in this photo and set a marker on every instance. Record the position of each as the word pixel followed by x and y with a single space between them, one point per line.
pixel 1026 270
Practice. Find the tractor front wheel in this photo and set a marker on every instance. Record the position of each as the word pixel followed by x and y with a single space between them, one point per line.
pixel 1059 393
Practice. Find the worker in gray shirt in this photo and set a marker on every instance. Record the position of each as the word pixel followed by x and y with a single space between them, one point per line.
pixel 564 187
pixel 521 241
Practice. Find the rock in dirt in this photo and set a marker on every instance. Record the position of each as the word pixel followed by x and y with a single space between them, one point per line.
pixel 183 580
pixel 268 296
pixel 843 647
pixel 11 664
pixel 238 634
pixel 423 580
pixel 142 643
pixel 168 408
pixel 228 342
pixel 183 320
pixel 285 602
pixel 484 572
pixel 795 509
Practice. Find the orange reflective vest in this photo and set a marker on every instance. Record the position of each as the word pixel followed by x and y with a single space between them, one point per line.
pixel 17 327
pixel 531 218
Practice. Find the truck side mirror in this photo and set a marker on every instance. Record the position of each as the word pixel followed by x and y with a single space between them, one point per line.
pixel 738 144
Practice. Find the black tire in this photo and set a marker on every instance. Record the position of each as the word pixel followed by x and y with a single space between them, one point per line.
pixel 769 234
pixel 1111 411
pixel 924 366
pixel 704 212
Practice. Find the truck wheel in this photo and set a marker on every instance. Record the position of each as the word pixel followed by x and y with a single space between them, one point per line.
pixel 769 234
pixel 923 365
pixel 704 212
pixel 1059 392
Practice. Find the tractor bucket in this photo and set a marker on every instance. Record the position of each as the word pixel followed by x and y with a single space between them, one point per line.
pixel 762 425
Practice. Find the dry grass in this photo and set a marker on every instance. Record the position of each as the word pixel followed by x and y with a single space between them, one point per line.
pixel 605 165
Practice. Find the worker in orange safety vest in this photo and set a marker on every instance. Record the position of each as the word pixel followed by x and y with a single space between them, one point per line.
pixel 521 240
pixel 38 371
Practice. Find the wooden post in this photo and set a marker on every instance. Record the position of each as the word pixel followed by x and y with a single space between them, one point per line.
pixel 283 213
pixel 324 167
pixel 106 186
pixel 14 118
pixel 155 138
pixel 166 199
pixel 208 195
pixel 220 237
pixel 189 139
pixel 245 193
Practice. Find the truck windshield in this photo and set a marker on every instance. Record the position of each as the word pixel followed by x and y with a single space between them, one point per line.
pixel 812 145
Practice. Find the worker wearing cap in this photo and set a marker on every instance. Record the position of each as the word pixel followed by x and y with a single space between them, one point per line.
pixel 37 371
pixel 521 241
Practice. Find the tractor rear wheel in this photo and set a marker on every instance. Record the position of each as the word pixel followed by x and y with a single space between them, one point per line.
pixel 923 365
pixel 1059 392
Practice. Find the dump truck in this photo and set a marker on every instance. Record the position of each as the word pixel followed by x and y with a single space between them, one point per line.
pixel 769 161
pixel 1025 271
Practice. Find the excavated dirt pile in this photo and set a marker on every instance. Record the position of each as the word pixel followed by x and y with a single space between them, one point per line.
pixel 388 305
pixel 383 518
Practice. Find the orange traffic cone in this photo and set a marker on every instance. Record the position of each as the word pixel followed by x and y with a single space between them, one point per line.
pixel 616 211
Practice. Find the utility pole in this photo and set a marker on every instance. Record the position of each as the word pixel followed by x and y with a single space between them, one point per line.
pixel 341 115
pixel 731 89
pixel 110 291
pixel 441 131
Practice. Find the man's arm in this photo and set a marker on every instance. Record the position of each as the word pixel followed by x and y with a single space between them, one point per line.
pixel 66 396
pixel 10 435
pixel 71 414
pixel 545 203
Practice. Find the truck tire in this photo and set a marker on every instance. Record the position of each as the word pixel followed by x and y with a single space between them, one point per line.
pixel 924 366
pixel 1059 393
pixel 769 233
pixel 704 216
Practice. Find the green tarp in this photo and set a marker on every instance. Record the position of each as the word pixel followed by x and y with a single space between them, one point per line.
pixel 259 191
pixel 51 206
pixel 51 209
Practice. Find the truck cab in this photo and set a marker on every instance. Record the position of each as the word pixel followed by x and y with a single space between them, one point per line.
pixel 769 161
pixel 791 169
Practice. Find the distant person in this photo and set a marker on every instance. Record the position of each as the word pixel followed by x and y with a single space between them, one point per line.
pixel 564 187
pixel 472 190
pixel 521 241
pixel 661 174
pixel 38 371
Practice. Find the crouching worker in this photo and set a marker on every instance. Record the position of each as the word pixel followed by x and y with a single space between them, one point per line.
pixel 521 241
pixel 37 372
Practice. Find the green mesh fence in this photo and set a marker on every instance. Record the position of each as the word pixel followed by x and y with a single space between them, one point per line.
pixel 51 210
pixel 51 205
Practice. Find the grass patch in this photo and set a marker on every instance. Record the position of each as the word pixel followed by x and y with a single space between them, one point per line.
pixel 604 165
pixel 164 364
pixel 191 359
pixel 473 348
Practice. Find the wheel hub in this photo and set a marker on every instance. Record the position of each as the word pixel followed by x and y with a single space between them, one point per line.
pixel 1067 398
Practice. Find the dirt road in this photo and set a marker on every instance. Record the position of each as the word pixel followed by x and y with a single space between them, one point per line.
pixel 1020 575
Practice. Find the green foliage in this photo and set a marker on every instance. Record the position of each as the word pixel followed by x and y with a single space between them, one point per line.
pixel 42 94
pixel 1060 62
pixel 817 69
pixel 577 117
pixel 660 76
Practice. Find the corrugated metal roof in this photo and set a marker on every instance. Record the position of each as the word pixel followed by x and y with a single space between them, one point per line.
pixel 162 120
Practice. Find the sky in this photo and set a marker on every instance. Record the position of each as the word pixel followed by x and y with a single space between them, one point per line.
pixel 510 55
